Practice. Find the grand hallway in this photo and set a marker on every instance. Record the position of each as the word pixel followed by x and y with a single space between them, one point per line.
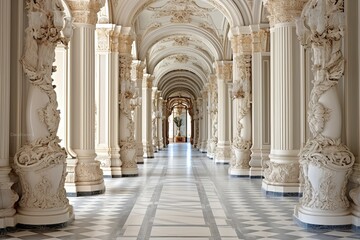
pixel 181 194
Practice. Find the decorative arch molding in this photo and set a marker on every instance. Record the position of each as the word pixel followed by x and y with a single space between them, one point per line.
pixel 177 83
pixel 158 57
pixel 167 93
pixel 183 77
pixel 238 14
pixel 197 74
pixel 166 31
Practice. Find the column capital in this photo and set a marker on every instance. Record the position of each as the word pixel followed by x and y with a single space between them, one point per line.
pixel 137 69
pixel 125 41
pixel 283 11
pixel 103 37
pixel 241 43
pixel 148 80
pixel 85 11
pixel 261 40
pixel 224 70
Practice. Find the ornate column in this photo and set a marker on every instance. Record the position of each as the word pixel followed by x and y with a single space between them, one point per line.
pixel 146 113
pixel 8 196
pixel 199 105
pixel 195 125
pixel 106 95
pixel 224 75
pixel 153 118
pixel 84 174
pixel 282 172
pixel 138 73
pixel 204 123
pixel 260 101
pixel 325 161
pixel 159 117
pixel 242 48
pixel 213 107
pixel 165 123
pixel 41 162
pixel 126 96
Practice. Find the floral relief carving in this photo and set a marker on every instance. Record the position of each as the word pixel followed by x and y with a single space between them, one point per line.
pixel 89 172
pixel 281 173
pixel 284 11
pixel 85 11
pixel 180 11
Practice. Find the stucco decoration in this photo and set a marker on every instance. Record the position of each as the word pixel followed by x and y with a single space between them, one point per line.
pixel 180 11
pixel 325 161
pixel 40 163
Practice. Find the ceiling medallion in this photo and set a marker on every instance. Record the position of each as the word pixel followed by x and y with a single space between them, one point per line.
pixel 180 11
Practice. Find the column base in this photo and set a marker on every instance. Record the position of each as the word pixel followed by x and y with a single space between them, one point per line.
pixel 85 189
pixel 210 155
pixel 140 160
pixel 315 219
pixel 7 222
pixel 356 223
pixel 130 172
pixel 112 172
pixel 45 217
pixel 239 172
pixel 256 172
pixel 281 190
pixel 223 154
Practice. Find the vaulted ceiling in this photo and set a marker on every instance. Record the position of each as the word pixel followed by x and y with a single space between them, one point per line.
pixel 179 40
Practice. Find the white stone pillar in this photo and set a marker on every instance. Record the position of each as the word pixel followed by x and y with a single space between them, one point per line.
pixel 224 75
pixel 282 172
pixel 165 112
pixel 41 162
pixel 241 44
pixel 196 125
pixel 213 106
pixel 127 93
pixel 106 100
pixel 138 70
pixel 199 105
pixel 204 123
pixel 260 149
pixel 8 196
pixel 153 118
pixel 160 122
pixel 326 162
pixel 85 176
pixel 146 113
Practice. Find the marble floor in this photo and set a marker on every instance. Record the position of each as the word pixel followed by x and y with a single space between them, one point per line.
pixel 181 194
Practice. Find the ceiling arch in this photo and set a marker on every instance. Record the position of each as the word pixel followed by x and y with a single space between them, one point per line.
pixel 153 37
pixel 238 13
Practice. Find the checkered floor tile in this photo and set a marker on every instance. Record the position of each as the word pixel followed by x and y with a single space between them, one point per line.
pixel 181 194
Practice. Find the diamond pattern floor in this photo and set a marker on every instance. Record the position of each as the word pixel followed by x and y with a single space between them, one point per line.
pixel 181 194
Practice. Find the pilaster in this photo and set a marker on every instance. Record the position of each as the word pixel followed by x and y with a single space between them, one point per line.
pixel 8 196
pixel 85 175
pixel 106 98
pixel 128 148
pixel 224 75
pixel 146 113
pixel 282 171
pixel 260 149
